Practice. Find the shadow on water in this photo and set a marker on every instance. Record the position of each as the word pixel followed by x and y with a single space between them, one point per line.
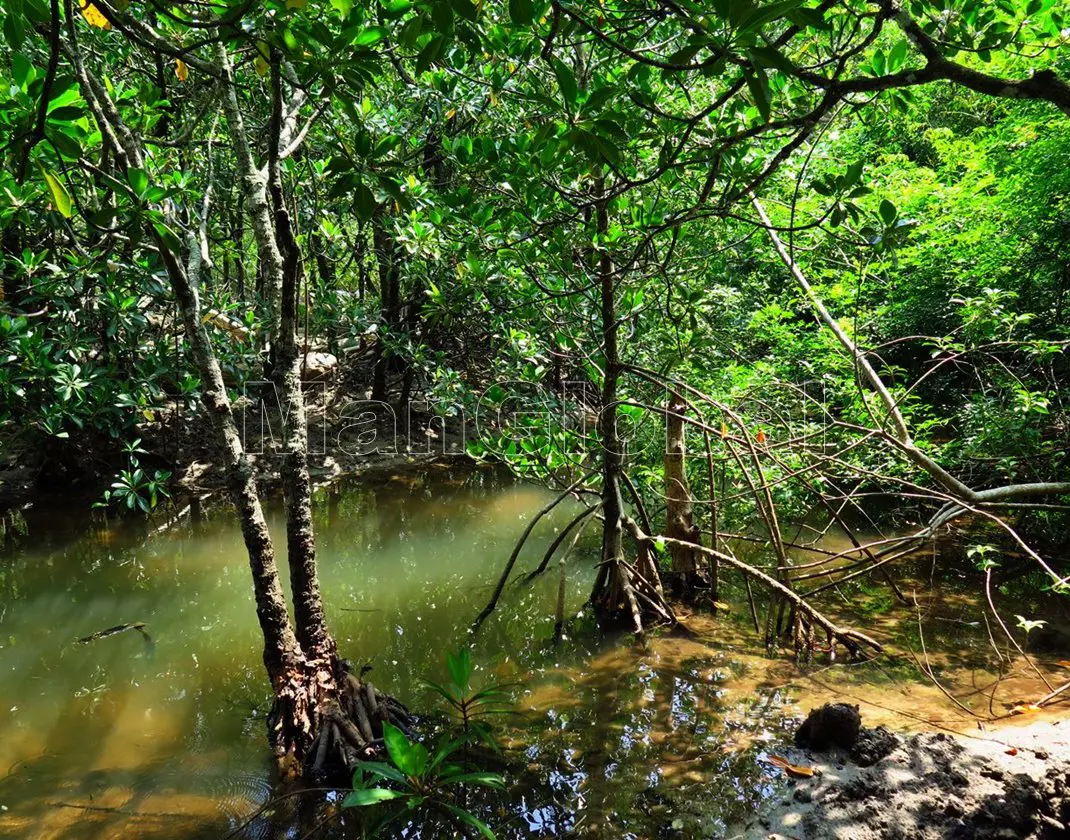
pixel 120 738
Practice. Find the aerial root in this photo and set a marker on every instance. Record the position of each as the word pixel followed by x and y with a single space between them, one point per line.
pixel 326 737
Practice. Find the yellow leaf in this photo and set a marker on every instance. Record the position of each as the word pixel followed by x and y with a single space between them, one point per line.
pixel 94 17
pixel 263 54
pixel 1025 709
pixel 791 769
pixel 724 431
pixel 451 113
pixel 60 197
pixel 148 415
pixel 181 70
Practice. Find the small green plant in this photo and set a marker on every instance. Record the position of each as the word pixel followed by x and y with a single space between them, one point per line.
pixel 133 487
pixel 420 780
pixel 1029 625
pixel 983 556
pixel 471 706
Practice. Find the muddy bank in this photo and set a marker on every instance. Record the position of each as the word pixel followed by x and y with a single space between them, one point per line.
pixel 1010 782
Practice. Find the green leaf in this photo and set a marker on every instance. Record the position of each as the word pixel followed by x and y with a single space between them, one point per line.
pixel 466 9
pixel 168 237
pixel 879 63
pixel 68 113
pixel 771 57
pixel 67 145
pixel 758 85
pixel 459 664
pixel 409 758
pixel 449 695
pixel 898 55
pixel 138 180
pixel 521 12
pixel 470 819
pixel 22 72
pixel 371 35
pixel 490 780
pixel 566 80
pixel 14 24
pixel 444 750
pixel 853 173
pixel 364 202
pixel 888 211
pixel 60 197
pixel 370 796
pixel 812 18
pixel 383 770
pixel 765 14
pixel 430 53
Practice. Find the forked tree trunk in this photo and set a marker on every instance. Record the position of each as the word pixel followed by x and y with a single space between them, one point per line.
pixel 324 718
pixel 281 649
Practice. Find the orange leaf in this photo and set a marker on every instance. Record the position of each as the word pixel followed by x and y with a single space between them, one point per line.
pixel 1024 709
pixel 1012 751
pixel 761 436
pixel 181 70
pixel 792 769
pixel 1063 663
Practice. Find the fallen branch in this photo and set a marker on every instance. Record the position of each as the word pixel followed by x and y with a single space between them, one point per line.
pixel 851 639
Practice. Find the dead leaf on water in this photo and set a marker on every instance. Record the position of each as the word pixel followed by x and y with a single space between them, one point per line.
pixel 791 769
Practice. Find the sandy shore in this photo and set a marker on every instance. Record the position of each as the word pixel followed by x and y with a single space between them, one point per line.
pixel 1007 782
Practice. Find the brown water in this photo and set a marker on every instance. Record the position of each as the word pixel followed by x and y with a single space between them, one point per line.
pixel 163 738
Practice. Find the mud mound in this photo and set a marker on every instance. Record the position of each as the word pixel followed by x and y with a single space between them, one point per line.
pixel 935 786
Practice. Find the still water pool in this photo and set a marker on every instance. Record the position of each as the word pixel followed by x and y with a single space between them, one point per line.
pixel 161 735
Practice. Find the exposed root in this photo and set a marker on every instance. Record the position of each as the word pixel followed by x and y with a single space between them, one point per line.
pixel 632 593
pixel 326 720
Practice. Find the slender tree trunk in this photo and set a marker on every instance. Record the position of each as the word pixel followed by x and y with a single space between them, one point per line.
pixel 680 524
pixel 613 589
pixel 388 260
pixel 323 719
pixel 281 651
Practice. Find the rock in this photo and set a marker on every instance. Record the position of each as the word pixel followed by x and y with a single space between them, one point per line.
pixel 833 725
pixel 319 366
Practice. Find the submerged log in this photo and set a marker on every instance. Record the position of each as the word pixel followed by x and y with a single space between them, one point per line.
pixel 139 626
